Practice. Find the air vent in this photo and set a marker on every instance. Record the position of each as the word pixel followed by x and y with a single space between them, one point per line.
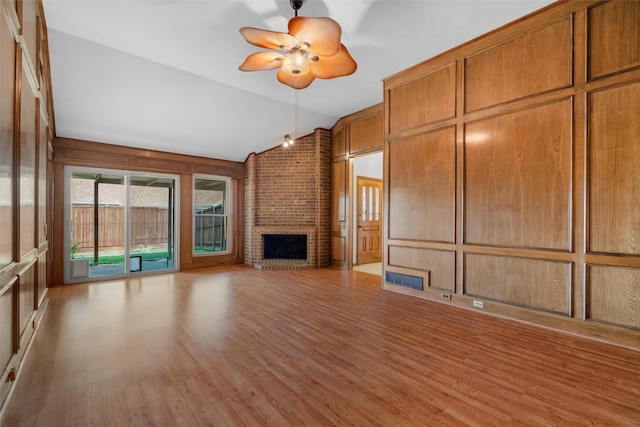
pixel 406 280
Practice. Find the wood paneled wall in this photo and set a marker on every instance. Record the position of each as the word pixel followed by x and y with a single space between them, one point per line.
pixel 26 114
pixel 512 169
pixel 358 134
pixel 93 154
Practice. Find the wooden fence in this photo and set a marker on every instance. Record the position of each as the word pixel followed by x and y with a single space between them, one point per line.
pixel 148 227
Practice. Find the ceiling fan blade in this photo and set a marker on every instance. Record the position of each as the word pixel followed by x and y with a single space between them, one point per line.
pixel 268 39
pixel 329 67
pixel 262 61
pixel 296 82
pixel 321 34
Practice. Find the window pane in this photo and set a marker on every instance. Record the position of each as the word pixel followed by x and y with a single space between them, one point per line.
pixel 210 215
pixel 210 195
pixel 370 203
pixel 364 203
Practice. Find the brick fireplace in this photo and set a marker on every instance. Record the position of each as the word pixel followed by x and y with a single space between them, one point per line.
pixel 288 192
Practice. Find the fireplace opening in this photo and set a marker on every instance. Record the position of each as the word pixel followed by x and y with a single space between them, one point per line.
pixel 284 246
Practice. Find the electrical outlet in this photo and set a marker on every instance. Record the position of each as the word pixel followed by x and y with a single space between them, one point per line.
pixel 478 304
pixel 446 296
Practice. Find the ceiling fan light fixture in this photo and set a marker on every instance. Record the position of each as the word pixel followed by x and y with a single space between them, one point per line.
pixel 296 62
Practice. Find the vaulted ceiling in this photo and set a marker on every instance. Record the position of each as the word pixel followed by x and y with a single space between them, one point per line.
pixel 163 74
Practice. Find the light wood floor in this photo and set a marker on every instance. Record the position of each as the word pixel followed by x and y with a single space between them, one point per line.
pixel 241 346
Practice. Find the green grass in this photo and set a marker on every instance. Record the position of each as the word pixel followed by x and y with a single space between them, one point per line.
pixel 119 259
pixel 146 256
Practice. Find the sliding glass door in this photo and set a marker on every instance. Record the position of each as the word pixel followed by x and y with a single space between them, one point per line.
pixel 96 219
pixel 151 245
pixel 118 223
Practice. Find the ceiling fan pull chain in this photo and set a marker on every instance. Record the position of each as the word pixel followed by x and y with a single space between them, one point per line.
pixel 296 116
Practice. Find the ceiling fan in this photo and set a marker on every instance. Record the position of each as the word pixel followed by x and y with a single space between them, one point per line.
pixel 312 49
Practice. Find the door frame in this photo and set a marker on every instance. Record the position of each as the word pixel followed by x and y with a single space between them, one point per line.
pixel 351 215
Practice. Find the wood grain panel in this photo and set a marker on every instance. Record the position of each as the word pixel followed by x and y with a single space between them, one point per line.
pixel 422 187
pixel 339 179
pixel 29 30
pixel 441 265
pixel 26 297
pixel 90 158
pixel 28 142
pixel 79 152
pixel 535 62
pixel 532 283
pixel 162 164
pixel 339 142
pixel 518 178
pixel 614 37
pixel 614 162
pixel 338 249
pixel 7 80
pixel 366 134
pixel 6 325
pixel 339 200
pixel 427 99
pixel 233 172
pixel 41 283
pixel 42 182
pixel 44 86
pixel 614 295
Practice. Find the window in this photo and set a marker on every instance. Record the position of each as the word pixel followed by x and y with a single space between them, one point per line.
pixel 211 214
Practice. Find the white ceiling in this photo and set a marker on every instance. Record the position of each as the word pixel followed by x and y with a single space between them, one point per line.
pixel 163 74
